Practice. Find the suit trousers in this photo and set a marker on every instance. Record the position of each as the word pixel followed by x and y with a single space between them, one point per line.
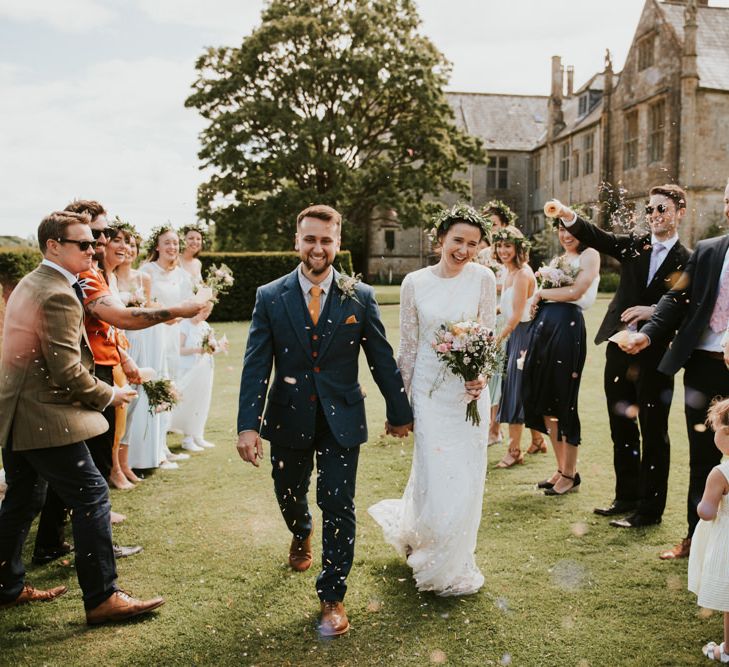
pixel 71 473
pixel 633 381
pixel 705 377
pixel 52 523
pixel 335 488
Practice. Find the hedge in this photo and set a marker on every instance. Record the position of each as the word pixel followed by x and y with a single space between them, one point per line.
pixel 251 270
pixel 15 262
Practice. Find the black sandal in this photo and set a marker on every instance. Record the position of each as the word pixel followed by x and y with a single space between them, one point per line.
pixel 546 484
pixel 575 486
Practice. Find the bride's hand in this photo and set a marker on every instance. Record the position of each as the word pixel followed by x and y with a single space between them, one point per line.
pixel 475 387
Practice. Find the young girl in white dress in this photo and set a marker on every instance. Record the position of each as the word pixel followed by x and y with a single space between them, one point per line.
pixel 435 523
pixel 195 381
pixel 708 568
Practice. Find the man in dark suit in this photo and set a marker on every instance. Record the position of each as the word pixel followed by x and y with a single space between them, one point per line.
pixel 699 307
pixel 50 403
pixel 638 396
pixel 311 324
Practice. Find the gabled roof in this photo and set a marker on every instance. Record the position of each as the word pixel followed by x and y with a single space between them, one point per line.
pixel 502 122
pixel 712 41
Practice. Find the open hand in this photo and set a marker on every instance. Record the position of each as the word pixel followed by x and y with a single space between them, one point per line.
pixel 636 314
pixel 122 395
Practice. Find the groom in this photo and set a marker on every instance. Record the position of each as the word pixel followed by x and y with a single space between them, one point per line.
pixel 311 325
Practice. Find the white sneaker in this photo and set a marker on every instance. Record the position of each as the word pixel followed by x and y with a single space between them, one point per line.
pixel 177 457
pixel 168 465
pixel 201 442
pixel 191 446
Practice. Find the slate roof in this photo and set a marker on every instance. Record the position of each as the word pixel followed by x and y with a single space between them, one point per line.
pixel 712 41
pixel 502 122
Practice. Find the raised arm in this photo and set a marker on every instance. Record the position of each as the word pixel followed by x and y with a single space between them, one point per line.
pixel 109 308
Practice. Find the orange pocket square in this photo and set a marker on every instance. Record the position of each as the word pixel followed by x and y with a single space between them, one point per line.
pixel 351 320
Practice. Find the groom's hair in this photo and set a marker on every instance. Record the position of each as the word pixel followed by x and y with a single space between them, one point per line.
pixel 674 192
pixel 54 225
pixel 321 212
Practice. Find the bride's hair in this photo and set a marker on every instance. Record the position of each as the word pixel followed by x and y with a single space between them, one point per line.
pixel 460 213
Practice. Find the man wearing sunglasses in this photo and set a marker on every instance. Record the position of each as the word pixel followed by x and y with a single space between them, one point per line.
pixel 104 314
pixel 638 395
pixel 698 307
pixel 50 404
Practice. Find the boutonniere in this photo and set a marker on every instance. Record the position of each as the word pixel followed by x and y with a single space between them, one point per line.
pixel 347 285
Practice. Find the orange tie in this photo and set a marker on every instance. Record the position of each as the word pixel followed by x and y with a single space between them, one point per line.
pixel 315 303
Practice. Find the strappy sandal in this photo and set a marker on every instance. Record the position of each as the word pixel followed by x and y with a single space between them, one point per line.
pixel 537 447
pixel 576 481
pixel 710 653
pixel 546 484
pixel 513 457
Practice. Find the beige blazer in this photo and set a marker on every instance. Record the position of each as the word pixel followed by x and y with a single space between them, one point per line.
pixel 48 394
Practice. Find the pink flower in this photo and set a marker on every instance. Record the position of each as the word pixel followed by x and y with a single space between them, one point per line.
pixel 443 348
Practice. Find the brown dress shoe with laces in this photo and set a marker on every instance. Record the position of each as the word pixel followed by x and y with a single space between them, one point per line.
pixel 120 606
pixel 30 594
pixel 300 555
pixel 334 621
pixel 681 550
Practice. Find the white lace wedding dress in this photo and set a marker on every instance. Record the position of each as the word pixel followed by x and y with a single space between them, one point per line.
pixel 436 522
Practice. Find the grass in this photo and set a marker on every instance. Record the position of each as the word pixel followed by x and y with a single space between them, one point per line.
pixel 562 588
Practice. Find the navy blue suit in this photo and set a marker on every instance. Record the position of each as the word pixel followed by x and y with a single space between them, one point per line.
pixel 316 404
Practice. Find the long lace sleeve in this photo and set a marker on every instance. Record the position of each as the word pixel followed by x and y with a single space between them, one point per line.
pixel 487 300
pixel 408 333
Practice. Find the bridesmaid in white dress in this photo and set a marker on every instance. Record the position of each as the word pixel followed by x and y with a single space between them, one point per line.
pixel 194 239
pixel 436 521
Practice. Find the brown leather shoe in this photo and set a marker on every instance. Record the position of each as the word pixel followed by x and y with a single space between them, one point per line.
pixel 681 550
pixel 120 606
pixel 334 621
pixel 300 555
pixel 30 594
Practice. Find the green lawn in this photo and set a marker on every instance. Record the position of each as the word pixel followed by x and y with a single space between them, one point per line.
pixel 562 588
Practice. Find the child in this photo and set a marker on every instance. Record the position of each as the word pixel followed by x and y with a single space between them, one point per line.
pixel 708 570
pixel 197 346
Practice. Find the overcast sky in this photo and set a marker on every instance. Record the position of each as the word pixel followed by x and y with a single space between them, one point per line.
pixel 92 91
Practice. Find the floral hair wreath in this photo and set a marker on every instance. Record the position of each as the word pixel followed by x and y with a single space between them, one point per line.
pixel 501 206
pixel 124 226
pixel 194 227
pixel 459 213
pixel 153 239
pixel 504 236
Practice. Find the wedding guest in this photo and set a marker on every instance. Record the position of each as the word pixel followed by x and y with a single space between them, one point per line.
pixel 555 359
pixel 193 237
pixel 512 251
pixel 698 306
pixel 50 403
pixel 198 344
pixel 708 568
pixel 638 394
pixel 435 523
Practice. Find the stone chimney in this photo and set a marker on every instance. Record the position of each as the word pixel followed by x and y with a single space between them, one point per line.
pixel 570 80
pixel 556 118
pixel 690 28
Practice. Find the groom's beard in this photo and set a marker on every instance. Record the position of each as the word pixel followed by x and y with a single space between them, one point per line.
pixel 317 270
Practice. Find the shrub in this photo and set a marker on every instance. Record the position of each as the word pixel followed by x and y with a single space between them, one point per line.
pixel 16 261
pixel 609 281
pixel 251 270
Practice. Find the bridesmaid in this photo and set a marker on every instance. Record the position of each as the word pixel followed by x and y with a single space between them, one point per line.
pixel 512 251
pixel 193 237
pixel 556 357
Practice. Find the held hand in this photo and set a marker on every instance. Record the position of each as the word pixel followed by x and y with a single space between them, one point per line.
pixel 398 431
pixel 250 447
pixel 122 395
pixel 475 387
pixel 131 370
pixel 635 343
pixel 636 314
pixel 190 308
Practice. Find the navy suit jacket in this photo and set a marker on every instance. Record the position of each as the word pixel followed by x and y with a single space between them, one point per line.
pixel 280 336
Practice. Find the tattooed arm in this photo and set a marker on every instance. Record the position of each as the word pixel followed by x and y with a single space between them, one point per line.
pixel 109 308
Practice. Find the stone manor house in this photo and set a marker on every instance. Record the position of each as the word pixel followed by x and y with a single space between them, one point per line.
pixel 664 118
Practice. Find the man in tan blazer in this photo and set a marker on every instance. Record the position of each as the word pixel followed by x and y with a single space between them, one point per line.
pixel 50 402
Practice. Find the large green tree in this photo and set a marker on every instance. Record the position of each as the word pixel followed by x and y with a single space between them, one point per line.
pixel 327 101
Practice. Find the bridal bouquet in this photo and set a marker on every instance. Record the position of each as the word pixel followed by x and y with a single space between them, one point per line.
pixel 211 345
pixel 559 273
pixel 219 279
pixel 162 395
pixel 467 349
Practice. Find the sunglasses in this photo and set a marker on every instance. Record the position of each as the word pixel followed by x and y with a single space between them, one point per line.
pixel 96 233
pixel 83 246
pixel 661 208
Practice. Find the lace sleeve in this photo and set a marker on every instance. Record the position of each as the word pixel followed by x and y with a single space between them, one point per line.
pixel 487 300
pixel 408 333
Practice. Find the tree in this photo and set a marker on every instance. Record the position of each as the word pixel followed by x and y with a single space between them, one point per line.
pixel 327 101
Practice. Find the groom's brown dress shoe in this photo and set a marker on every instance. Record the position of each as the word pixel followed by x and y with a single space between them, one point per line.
pixel 120 606
pixel 681 550
pixel 300 555
pixel 30 594
pixel 334 621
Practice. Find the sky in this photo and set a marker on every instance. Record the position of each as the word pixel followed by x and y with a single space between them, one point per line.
pixel 92 91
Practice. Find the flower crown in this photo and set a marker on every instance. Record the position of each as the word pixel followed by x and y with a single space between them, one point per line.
pixel 124 226
pixel 498 204
pixel 194 227
pixel 153 239
pixel 505 236
pixel 459 213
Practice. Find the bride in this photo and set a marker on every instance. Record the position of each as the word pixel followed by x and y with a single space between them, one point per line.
pixel 436 521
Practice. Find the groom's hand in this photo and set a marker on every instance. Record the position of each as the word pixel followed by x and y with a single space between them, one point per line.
pixel 250 447
pixel 398 431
